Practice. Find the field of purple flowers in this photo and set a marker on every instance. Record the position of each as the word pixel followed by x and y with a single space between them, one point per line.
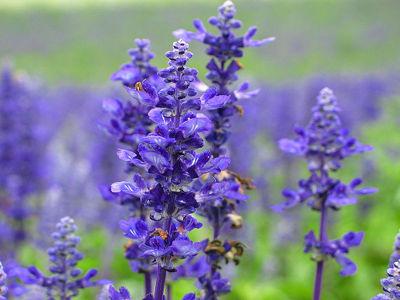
pixel 211 161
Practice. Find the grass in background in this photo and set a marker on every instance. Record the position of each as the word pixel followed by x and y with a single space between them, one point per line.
pixel 86 43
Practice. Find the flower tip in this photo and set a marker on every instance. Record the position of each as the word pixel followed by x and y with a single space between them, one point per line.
pixel 142 43
pixel 228 4
pixel 181 34
pixel 326 92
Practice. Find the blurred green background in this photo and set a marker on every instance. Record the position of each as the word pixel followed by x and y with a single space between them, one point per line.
pixel 83 42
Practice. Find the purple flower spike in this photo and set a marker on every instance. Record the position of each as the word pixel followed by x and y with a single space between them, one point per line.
pixel 167 163
pixel 65 281
pixel 221 190
pixel 324 144
pixel 131 122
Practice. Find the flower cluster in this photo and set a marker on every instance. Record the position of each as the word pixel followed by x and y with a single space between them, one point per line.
pixel 3 286
pixel 324 144
pixel 66 280
pixel 336 249
pixel 169 155
pixel 158 244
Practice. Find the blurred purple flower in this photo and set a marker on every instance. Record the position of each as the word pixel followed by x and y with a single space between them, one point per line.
pixel 23 155
pixel 324 143
pixel 66 280
pixel 220 193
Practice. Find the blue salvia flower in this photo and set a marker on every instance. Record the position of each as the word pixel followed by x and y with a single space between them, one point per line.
pixel 22 150
pixel 221 193
pixel 324 143
pixel 3 285
pixel 224 48
pixel 66 280
pixel 169 153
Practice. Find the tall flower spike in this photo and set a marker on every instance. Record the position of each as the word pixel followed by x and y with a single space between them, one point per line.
pixel 170 154
pixel 324 144
pixel 3 285
pixel 66 280
pixel 220 194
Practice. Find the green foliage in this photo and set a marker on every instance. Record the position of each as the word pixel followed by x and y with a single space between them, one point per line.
pixel 87 43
